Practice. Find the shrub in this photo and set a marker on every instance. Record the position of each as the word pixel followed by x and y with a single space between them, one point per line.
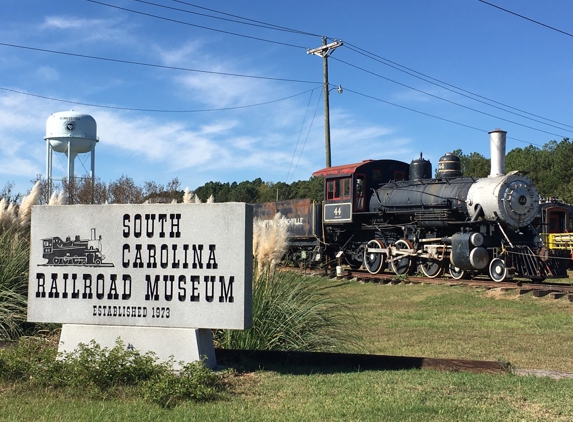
pixel 92 371
pixel 289 313
pixel 14 259
pixel 194 382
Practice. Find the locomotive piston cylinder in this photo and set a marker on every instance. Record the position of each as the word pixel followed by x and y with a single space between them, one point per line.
pixel 467 253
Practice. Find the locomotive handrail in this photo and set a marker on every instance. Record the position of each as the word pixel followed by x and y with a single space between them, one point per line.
pixel 501 228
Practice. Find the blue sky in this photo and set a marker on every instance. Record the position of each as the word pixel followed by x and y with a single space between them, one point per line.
pixel 272 125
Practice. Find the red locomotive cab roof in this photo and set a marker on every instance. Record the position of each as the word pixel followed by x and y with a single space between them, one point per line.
pixel 343 170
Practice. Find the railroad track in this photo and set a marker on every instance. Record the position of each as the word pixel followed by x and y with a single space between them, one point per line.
pixel 555 291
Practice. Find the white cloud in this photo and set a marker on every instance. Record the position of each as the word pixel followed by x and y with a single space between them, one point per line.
pixel 83 30
pixel 213 89
pixel 47 73
pixel 410 96
pixel 14 166
pixel 71 22
pixel 181 56
pixel 220 91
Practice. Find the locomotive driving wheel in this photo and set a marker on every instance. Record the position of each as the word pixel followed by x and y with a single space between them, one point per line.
pixel 374 261
pixel 432 268
pixel 405 264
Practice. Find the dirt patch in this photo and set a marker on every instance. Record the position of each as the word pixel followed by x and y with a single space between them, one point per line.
pixel 502 293
pixel 556 375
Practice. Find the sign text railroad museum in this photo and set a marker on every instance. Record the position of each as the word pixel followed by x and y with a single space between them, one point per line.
pixel 154 265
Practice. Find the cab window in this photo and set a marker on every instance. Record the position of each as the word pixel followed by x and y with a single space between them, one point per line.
pixel 338 188
pixel 359 192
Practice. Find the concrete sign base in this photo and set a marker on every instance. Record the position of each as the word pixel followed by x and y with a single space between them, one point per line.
pixel 183 344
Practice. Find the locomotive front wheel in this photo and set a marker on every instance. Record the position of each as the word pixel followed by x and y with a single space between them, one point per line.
pixel 405 264
pixel 432 268
pixel 457 273
pixel 497 270
pixel 374 261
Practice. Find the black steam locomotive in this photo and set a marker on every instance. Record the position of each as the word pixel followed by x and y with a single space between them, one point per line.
pixel 70 251
pixel 381 214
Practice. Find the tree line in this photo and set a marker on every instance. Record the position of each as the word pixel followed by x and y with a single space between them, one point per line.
pixel 549 167
pixel 125 191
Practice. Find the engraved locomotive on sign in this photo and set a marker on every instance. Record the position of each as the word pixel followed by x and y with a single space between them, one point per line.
pixel 76 251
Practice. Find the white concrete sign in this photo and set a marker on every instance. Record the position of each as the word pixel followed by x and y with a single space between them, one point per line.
pixel 149 265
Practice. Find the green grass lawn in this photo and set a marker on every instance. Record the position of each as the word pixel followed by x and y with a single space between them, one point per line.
pixel 409 320
pixel 462 322
pixel 416 395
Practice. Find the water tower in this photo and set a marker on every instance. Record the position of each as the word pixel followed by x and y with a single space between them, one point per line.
pixel 71 133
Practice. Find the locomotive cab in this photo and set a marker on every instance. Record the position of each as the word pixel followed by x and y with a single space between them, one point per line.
pixel 346 213
pixel 347 188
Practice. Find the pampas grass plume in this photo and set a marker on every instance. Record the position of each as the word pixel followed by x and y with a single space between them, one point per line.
pixel 25 212
pixel 57 198
pixel 269 242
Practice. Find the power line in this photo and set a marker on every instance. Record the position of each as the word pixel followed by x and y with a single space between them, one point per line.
pixel 270 25
pixel 153 110
pixel 431 115
pixel 356 49
pixel 526 18
pixel 446 100
pixel 85 56
pixel 299 134
pixel 445 85
pixel 195 25
pixel 368 54
pixel 250 22
pixel 307 134
pixel 400 68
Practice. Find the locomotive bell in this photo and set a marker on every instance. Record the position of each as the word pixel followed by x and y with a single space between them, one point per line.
pixel 449 166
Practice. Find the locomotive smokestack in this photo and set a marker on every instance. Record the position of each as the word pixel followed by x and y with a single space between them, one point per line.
pixel 497 147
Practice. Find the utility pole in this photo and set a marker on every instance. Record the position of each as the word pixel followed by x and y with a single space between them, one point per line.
pixel 324 51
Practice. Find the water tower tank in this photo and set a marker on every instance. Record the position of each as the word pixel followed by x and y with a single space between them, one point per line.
pixel 71 129
pixel 71 133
